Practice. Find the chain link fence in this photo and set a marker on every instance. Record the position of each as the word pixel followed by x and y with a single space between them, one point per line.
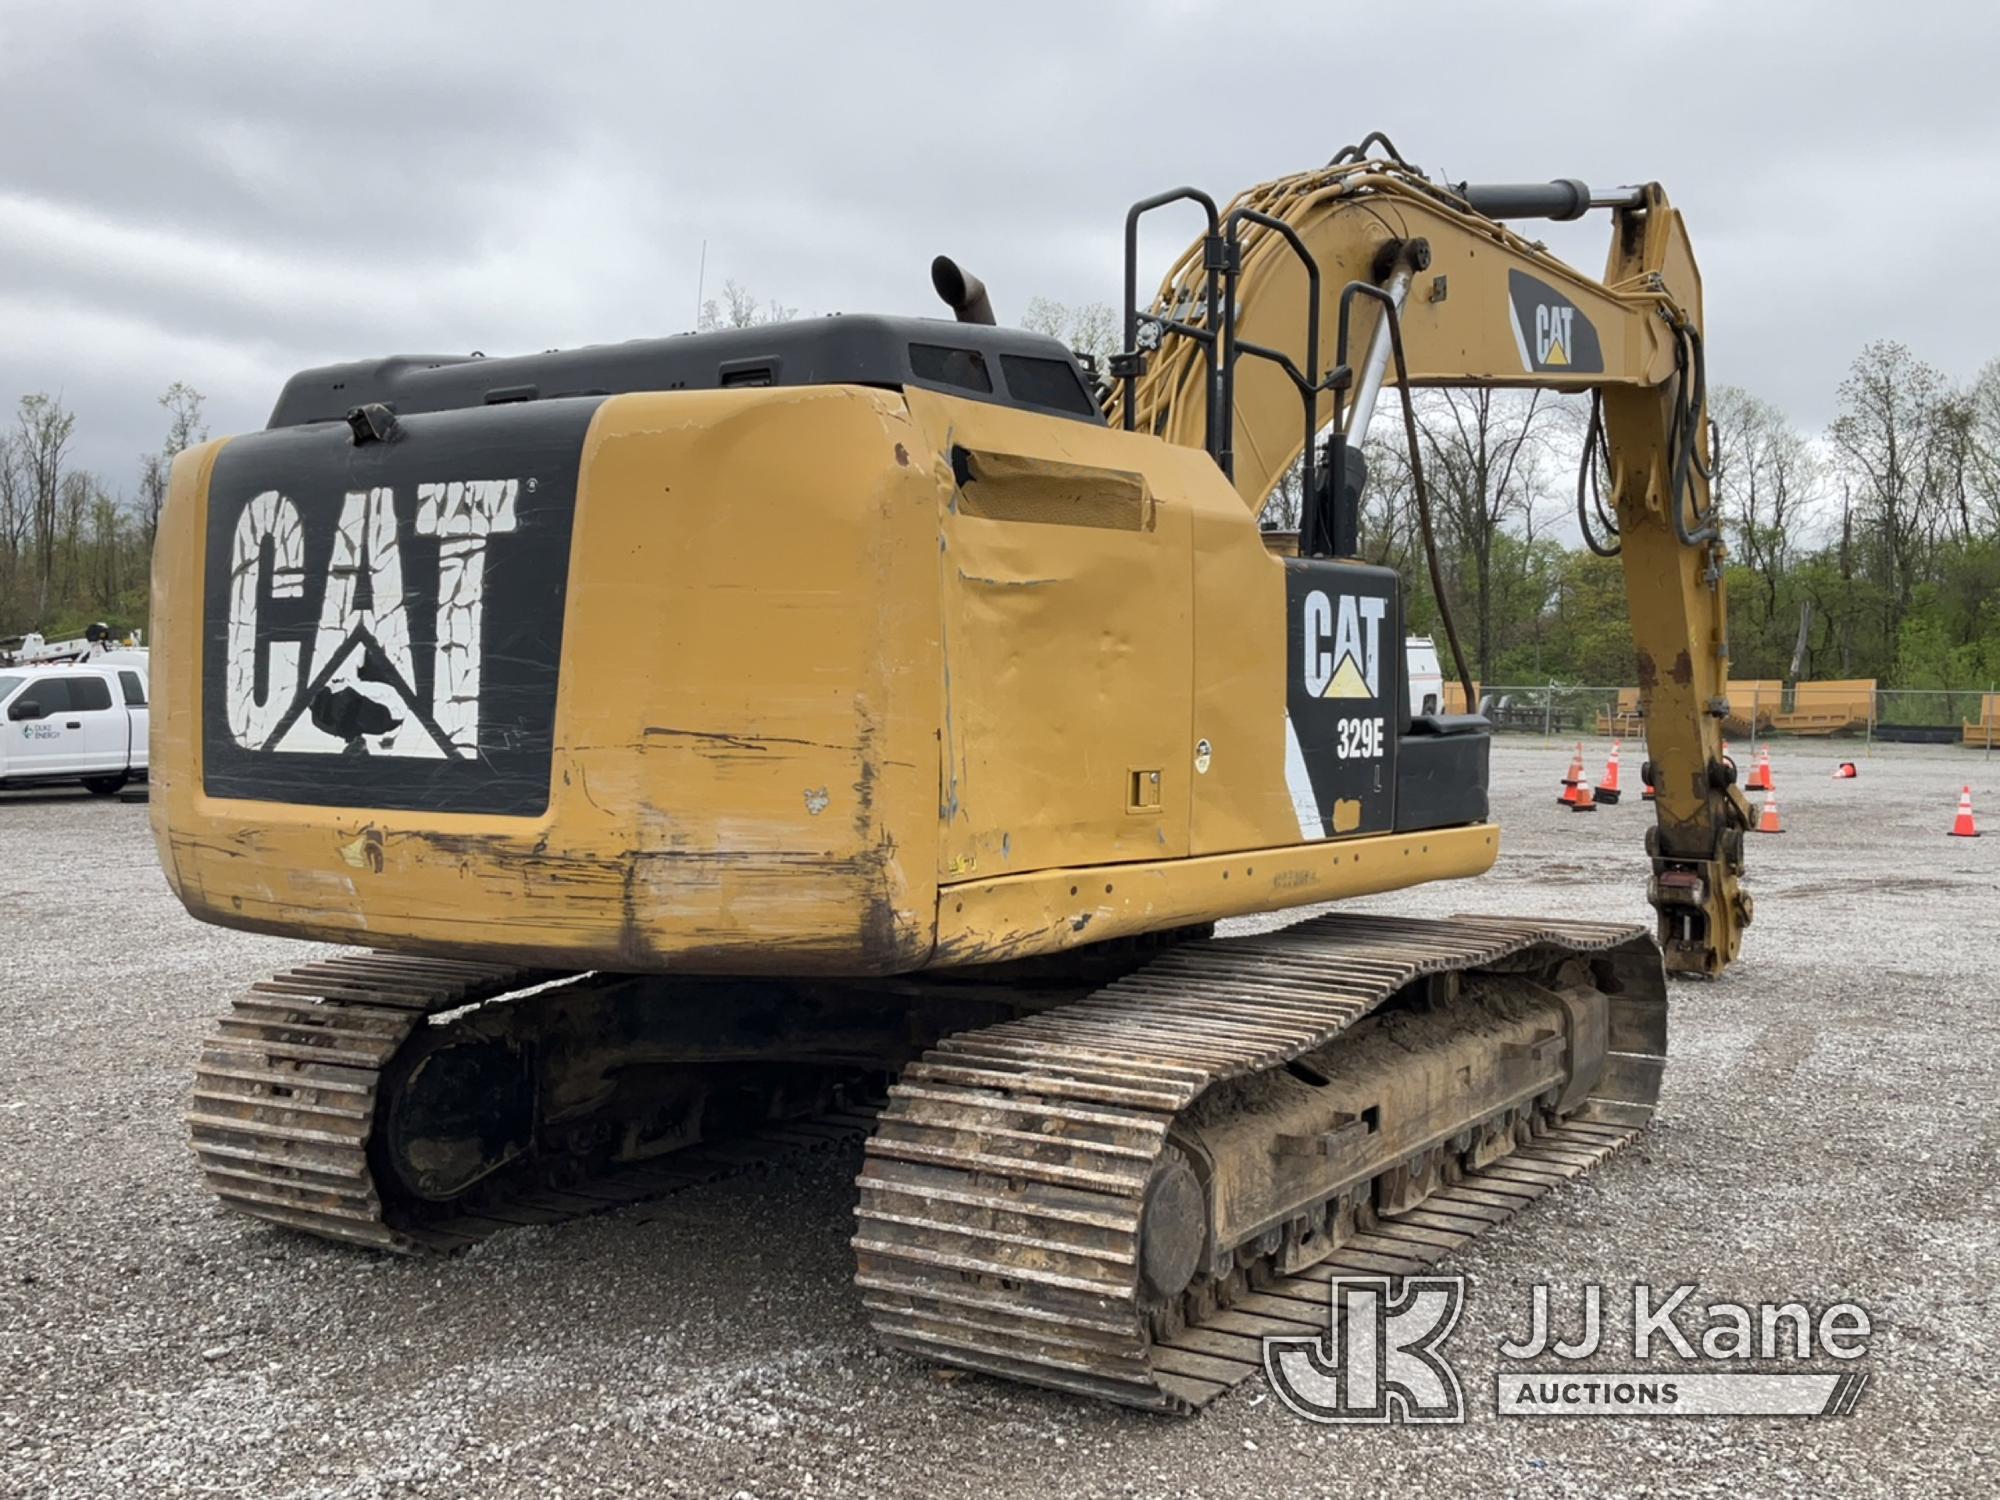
pixel 1850 712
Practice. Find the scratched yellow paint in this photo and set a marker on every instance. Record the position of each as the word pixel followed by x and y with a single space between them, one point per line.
pixel 752 626
pixel 823 707
pixel 1050 910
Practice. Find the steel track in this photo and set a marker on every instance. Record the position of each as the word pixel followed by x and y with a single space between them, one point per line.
pixel 1002 1197
pixel 289 1086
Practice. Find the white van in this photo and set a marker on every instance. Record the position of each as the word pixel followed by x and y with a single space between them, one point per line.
pixel 74 723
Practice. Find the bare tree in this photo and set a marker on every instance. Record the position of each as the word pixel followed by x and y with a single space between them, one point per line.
pixel 1949 461
pixel 153 475
pixel 1885 436
pixel 1740 423
pixel 1484 450
pixel 45 429
pixel 107 549
pixel 1090 328
pixel 185 428
pixel 739 308
pixel 1766 477
pixel 15 516
pixel 1983 448
pixel 80 490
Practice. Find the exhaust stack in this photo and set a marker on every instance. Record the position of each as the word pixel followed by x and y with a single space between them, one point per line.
pixel 963 293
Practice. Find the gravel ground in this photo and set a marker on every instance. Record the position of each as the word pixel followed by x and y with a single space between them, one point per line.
pixel 1828 1132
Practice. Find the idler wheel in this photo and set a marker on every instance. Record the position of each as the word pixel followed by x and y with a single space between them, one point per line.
pixel 1173 1227
pixel 457 1113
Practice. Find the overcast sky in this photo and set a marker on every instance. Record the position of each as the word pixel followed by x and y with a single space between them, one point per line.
pixel 225 194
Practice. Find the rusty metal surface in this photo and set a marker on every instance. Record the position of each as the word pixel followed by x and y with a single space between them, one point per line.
pixel 289 1103
pixel 1005 1188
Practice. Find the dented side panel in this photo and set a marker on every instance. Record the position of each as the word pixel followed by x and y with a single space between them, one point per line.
pixel 742 769
pixel 1064 561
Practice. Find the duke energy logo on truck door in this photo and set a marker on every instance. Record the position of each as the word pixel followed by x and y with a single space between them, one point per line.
pixel 384 622
pixel 1344 696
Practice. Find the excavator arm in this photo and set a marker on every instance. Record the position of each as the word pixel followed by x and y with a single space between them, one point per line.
pixel 1272 337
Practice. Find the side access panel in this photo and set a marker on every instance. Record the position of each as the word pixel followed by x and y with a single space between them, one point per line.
pixel 1067 631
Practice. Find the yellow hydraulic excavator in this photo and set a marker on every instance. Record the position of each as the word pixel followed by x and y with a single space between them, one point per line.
pixel 690 734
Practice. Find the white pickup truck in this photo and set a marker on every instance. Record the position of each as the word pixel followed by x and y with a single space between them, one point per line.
pixel 74 723
pixel 1426 681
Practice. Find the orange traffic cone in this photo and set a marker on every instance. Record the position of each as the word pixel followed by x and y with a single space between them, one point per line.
pixel 1963 828
pixel 1609 787
pixel 1760 774
pixel 1770 823
pixel 1584 801
pixel 1844 771
pixel 1646 793
pixel 1573 779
